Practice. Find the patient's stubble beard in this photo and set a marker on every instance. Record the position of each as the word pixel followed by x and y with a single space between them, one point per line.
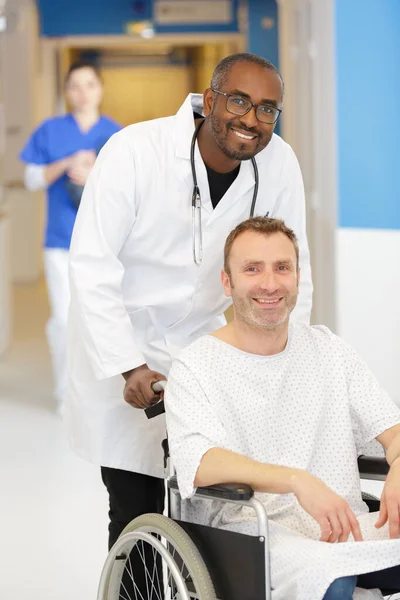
pixel 260 319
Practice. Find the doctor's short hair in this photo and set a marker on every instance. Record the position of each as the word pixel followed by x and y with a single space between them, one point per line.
pixel 264 226
pixel 224 66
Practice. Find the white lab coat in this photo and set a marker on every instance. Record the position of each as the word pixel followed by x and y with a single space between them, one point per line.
pixel 136 295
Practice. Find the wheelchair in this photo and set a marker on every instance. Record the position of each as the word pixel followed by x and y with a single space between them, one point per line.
pixel 187 561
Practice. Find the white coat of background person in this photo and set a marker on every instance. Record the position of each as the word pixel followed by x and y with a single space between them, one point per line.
pixel 58 156
pixel 137 296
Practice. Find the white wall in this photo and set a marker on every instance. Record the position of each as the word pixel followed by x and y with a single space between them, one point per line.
pixel 368 299
pixel 368 241
pixel 355 266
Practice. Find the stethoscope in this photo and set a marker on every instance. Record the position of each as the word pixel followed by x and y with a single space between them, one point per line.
pixel 196 199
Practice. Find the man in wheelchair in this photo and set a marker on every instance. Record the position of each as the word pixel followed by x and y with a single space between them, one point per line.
pixel 286 408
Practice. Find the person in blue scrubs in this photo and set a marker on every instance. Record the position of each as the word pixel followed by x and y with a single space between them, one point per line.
pixel 59 156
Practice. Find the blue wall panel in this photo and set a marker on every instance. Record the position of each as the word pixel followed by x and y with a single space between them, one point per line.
pixel 263 41
pixel 368 112
pixel 109 17
pixel 90 17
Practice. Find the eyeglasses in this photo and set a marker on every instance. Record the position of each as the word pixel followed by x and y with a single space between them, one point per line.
pixel 237 105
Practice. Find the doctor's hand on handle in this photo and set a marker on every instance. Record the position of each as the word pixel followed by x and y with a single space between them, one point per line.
pixel 138 391
pixel 332 512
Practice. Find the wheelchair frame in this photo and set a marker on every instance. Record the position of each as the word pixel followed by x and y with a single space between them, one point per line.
pixel 205 538
pixel 370 467
pixel 240 495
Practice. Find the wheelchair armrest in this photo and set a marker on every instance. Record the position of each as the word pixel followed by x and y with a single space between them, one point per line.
pixel 373 467
pixel 228 492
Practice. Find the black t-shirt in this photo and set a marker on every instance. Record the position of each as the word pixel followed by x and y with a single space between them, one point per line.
pixel 220 182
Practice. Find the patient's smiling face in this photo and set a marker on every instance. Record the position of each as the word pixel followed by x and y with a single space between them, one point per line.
pixel 263 280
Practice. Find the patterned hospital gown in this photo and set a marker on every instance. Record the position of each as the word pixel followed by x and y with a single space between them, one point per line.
pixel 313 407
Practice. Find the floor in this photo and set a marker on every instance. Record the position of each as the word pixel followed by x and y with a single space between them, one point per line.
pixel 53 508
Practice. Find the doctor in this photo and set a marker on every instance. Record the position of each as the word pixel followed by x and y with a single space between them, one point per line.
pixel 59 156
pixel 145 265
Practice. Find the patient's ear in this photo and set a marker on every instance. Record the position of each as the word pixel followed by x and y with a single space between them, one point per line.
pixel 226 283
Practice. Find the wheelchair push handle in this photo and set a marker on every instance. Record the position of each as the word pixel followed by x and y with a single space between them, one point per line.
pixel 158 408
pixel 158 386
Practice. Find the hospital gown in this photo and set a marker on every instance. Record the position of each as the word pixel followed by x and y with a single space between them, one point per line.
pixel 313 407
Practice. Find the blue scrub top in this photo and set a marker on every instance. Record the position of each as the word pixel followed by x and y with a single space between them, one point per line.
pixel 55 139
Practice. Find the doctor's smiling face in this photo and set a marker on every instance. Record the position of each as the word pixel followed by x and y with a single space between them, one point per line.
pixel 242 136
pixel 261 275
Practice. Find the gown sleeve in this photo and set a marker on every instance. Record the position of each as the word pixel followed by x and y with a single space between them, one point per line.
pixel 192 423
pixel 371 408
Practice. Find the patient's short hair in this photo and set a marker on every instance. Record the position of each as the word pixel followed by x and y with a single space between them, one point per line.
pixel 263 226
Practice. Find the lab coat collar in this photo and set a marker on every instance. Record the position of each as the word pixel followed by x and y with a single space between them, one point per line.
pixel 185 125
pixel 184 133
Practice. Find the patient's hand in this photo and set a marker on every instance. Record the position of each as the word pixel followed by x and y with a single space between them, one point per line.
pixel 332 512
pixel 138 392
pixel 390 501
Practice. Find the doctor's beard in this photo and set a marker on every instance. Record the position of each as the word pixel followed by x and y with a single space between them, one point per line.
pixel 240 151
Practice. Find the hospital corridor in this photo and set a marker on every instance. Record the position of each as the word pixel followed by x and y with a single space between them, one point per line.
pixel 199 293
pixel 49 497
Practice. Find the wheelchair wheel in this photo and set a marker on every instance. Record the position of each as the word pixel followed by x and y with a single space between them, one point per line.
pixel 171 567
